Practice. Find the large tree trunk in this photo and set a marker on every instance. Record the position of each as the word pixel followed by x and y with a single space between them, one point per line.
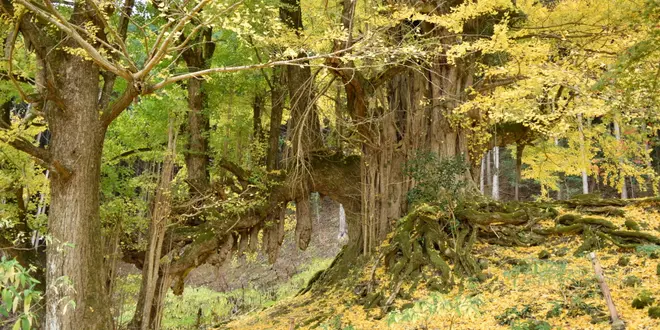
pixel 75 256
pixel 197 159
pixel 277 98
pixel 304 128
pixel 397 127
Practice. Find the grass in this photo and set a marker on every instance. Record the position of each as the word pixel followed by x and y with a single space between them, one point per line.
pixel 203 306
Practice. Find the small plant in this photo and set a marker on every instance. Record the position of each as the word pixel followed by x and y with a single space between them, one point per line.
pixel 19 295
pixel 556 310
pixel 648 250
pixel 438 179
pixel 544 271
pixel 422 310
pixel 335 323
pixel 513 314
pixel 531 325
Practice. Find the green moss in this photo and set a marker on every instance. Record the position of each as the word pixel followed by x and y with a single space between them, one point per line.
pixel 583 197
pixel 632 225
pixel 623 261
pixel 632 281
pixel 643 299
pixel 596 222
pixel 544 255
pixel 567 219
pixel 654 312
pixel 611 211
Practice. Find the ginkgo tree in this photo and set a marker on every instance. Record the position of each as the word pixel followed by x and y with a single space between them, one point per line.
pixel 86 73
pixel 555 60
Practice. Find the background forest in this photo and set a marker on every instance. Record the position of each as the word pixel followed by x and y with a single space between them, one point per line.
pixel 334 164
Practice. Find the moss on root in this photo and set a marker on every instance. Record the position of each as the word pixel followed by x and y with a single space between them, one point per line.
pixel 429 247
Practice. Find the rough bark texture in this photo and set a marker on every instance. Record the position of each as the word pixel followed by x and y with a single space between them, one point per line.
pixel 392 116
pixel 197 160
pixel 303 222
pixel 198 57
pixel 71 99
pixel 76 143
pixel 277 98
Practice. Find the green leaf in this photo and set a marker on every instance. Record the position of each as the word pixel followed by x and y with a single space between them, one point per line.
pixel 6 297
pixel 14 306
pixel 26 302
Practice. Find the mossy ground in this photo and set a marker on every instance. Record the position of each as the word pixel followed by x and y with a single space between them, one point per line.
pixel 520 292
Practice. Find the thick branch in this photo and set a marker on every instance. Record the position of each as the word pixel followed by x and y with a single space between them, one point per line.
pixel 116 108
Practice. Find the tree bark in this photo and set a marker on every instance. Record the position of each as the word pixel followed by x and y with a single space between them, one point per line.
pixel 489 175
pixel 482 176
pixel 617 135
pixel 496 173
pixel 583 156
pixel 519 154
pixel 277 98
pixel 152 274
pixel 196 155
pixel 257 109
pixel 198 57
pixel 304 128
pixel 75 254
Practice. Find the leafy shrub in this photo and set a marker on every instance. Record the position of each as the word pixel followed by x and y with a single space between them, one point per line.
pixel 438 179
pixel 420 311
pixel 19 295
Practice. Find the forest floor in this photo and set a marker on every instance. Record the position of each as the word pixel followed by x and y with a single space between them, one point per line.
pixel 245 284
pixel 539 287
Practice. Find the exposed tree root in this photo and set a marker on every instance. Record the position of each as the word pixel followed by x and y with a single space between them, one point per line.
pixel 433 247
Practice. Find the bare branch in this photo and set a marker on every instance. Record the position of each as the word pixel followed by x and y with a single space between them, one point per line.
pixel 57 20
pixel 163 47
pixel 4 75
pixel 293 61
pixel 109 77
pixel 123 28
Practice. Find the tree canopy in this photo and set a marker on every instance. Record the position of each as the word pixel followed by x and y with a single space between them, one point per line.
pixel 171 133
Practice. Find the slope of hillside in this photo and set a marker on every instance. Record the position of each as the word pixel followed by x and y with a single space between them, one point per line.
pixel 548 286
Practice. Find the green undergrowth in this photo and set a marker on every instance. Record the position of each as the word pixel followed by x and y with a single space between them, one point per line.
pixel 204 306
